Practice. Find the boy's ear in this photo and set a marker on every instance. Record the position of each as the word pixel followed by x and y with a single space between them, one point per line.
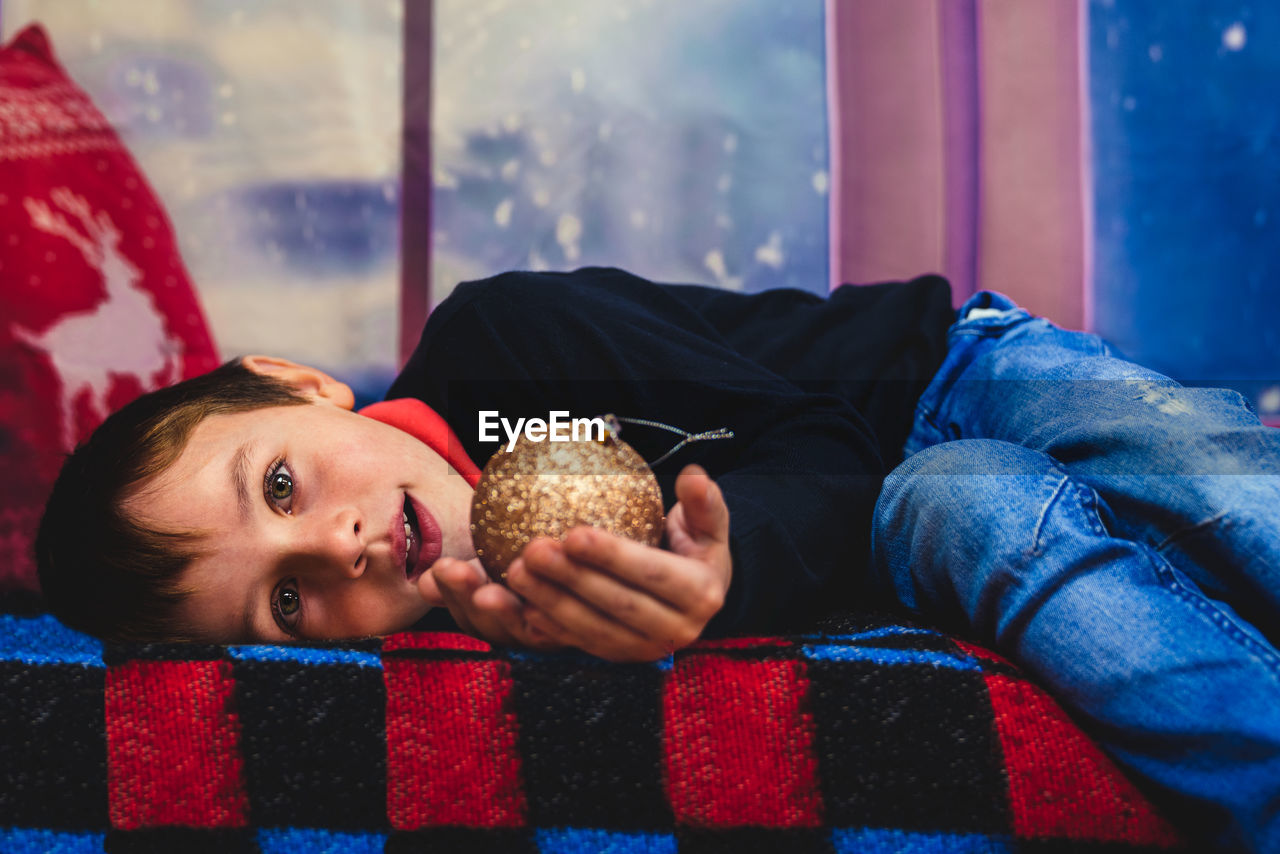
pixel 312 382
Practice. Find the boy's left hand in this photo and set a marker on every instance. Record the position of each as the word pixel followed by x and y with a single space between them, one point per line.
pixel 625 601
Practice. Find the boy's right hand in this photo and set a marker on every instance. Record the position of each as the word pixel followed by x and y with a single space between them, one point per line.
pixel 480 607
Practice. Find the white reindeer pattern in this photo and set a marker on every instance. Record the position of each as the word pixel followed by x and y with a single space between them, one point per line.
pixel 121 335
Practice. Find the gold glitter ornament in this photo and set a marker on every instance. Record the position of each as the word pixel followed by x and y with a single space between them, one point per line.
pixel 543 489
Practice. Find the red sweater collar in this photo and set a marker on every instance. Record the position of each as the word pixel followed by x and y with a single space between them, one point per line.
pixel 417 419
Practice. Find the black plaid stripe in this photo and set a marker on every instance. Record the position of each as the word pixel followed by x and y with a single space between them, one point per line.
pixel 119 653
pixel 180 840
pixel 590 736
pixel 1083 846
pixel 53 749
pixel 314 744
pixel 894 755
pixel 757 840
pixel 462 840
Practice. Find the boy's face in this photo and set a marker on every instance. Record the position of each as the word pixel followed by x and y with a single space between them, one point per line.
pixel 304 513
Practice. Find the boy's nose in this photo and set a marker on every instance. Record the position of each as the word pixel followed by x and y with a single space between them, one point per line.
pixel 339 542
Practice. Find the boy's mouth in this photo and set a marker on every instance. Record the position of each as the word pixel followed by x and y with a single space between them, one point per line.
pixel 422 538
pixel 412 539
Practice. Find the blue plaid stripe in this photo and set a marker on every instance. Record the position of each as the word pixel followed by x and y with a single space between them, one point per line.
pixel 21 840
pixel 43 640
pixel 888 841
pixel 289 840
pixel 881 632
pixel 561 656
pixel 306 655
pixel 586 840
pixel 882 656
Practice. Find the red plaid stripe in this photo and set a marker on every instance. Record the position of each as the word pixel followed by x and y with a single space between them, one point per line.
pixel 452 757
pixel 433 640
pixel 173 745
pixel 739 743
pixel 980 652
pixel 1060 783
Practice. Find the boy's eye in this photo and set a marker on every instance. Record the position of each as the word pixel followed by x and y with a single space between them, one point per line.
pixel 286 603
pixel 281 486
pixel 277 486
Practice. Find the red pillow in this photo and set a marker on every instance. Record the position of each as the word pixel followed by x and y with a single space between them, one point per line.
pixel 97 305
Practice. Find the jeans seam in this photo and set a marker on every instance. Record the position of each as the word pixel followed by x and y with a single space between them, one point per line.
pixel 1086 500
pixel 1165 574
pixel 1058 488
pixel 927 413
pixel 928 416
pixel 1200 602
pixel 1190 529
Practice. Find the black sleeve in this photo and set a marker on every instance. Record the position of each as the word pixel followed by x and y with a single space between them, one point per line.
pixel 800 475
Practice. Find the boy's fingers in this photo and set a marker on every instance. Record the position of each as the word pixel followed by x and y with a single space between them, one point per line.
pixel 429 589
pixel 502 617
pixel 555 577
pixel 459 584
pixel 451 597
pixel 455 578
pixel 688 585
pixel 496 599
pixel 580 624
pixel 481 608
pixel 705 512
pixel 540 625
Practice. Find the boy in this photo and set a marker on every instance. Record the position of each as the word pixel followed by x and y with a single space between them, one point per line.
pixel 309 521
pixel 1062 504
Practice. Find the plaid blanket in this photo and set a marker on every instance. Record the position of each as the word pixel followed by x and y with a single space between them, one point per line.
pixel 868 735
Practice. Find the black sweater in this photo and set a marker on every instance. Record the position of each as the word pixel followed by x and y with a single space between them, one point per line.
pixel 819 394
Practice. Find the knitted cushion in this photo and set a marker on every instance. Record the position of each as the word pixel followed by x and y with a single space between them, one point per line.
pixel 97 305
pixel 871 735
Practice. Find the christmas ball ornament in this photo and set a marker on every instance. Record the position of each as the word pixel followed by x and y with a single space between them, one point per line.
pixel 543 489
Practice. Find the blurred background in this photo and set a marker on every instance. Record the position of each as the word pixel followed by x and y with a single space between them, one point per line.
pixel 334 168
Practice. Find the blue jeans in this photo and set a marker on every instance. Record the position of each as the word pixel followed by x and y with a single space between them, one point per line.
pixel 1116 534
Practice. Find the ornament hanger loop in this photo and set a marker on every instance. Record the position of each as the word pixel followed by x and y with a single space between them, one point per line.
pixel 689 438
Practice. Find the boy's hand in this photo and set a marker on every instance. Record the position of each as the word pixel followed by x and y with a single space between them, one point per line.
pixel 480 607
pixel 624 601
pixel 604 594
